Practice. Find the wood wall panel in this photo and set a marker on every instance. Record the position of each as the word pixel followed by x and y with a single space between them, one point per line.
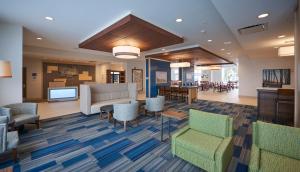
pixel 70 80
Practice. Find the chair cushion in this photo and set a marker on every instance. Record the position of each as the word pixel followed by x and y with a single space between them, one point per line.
pixel 95 107
pixel 12 140
pixel 271 162
pixel 22 119
pixel 198 142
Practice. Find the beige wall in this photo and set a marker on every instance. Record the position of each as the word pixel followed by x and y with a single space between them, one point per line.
pixel 11 48
pixel 34 89
pixel 250 72
pixel 138 65
pixel 297 68
pixel 102 68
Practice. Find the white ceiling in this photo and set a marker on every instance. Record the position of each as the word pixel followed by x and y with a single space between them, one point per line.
pixel 74 21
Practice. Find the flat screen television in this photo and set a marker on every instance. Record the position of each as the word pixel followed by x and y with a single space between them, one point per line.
pixel 62 93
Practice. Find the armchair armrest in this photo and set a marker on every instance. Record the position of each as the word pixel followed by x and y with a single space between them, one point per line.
pixel 178 133
pixel 3 120
pixel 223 155
pixel 6 112
pixel 254 159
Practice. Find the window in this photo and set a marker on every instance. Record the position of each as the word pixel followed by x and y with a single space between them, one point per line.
pixel 174 74
pixel 229 73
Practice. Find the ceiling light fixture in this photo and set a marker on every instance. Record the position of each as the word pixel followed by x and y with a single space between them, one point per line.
pixel 263 15
pixel 286 51
pixel 49 18
pixel 126 52
pixel 180 64
pixel 39 38
pixel 222 49
pixel 179 20
pixel 281 36
pixel 227 42
pixel 203 31
pixel 228 53
pixel 209 40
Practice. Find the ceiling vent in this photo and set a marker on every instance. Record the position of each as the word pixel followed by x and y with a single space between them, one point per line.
pixel 253 29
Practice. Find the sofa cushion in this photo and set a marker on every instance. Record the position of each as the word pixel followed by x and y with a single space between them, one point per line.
pixel 95 107
pixel 271 162
pixel 278 139
pixel 22 119
pixel 198 142
pixel 209 123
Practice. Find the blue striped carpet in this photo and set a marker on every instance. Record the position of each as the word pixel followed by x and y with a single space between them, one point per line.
pixel 85 143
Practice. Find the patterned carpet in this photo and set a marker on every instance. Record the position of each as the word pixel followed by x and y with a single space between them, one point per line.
pixel 85 143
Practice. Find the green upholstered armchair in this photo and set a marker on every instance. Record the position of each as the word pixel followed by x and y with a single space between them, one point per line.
pixel 206 142
pixel 275 148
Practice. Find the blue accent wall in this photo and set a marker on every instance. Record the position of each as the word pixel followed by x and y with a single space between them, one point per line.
pixel 147 77
pixel 157 65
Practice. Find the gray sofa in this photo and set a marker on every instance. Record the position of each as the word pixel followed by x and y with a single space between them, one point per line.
pixel 21 113
pixel 94 96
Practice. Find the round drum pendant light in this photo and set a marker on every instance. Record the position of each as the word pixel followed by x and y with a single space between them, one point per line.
pixel 126 52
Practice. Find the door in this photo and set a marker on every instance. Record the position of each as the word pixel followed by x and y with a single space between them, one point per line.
pixel 24 82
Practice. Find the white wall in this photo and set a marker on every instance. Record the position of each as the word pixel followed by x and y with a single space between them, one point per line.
pixel 297 68
pixel 11 48
pixel 250 72
pixel 34 89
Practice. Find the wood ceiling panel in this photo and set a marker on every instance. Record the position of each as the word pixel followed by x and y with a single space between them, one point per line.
pixel 133 31
pixel 197 56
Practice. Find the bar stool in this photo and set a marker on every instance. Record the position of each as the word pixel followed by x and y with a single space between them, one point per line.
pixel 184 93
pixel 285 97
pixel 167 91
pixel 174 92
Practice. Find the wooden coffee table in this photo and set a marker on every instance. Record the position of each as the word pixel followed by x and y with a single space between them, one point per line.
pixel 171 114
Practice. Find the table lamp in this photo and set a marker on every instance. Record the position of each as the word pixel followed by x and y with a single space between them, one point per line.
pixel 5 69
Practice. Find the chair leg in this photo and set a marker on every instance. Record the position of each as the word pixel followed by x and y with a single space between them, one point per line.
pixel 15 154
pixel 124 125
pixel 37 123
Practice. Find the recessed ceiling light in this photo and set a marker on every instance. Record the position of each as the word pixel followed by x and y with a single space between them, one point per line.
pixel 263 15
pixel 222 49
pixel 228 53
pixel 49 18
pixel 281 36
pixel 203 31
pixel 39 38
pixel 209 40
pixel 179 20
pixel 227 42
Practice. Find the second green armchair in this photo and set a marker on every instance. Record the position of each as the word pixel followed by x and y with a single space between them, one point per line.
pixel 206 142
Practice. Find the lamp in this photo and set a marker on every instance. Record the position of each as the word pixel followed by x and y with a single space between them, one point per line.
pixel 180 64
pixel 5 69
pixel 126 52
pixel 286 51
